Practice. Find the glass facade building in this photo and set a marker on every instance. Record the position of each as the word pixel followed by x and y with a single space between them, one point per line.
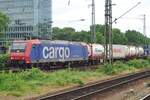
pixel 28 18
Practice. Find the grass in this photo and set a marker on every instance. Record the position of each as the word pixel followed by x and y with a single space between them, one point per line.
pixel 119 66
pixel 22 83
pixel 4 58
pixel 26 81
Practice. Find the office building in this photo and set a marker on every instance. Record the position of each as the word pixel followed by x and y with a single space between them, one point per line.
pixel 28 18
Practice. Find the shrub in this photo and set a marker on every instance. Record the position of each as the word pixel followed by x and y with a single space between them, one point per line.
pixel 120 66
pixel 148 59
pixel 66 77
pixel 32 74
pixel 138 63
pixel 108 69
pixel 4 59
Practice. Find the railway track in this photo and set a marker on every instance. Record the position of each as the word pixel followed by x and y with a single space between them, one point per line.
pixel 89 91
pixel 147 97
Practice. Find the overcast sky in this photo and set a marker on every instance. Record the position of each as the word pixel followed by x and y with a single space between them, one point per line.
pixel 64 15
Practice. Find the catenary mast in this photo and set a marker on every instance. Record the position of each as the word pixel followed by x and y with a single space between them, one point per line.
pixel 108 31
pixel 93 33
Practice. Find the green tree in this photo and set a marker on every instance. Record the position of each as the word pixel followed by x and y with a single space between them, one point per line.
pixel 64 33
pixel 136 38
pixel 4 21
pixel 129 37
pixel 83 36
pixel 57 33
pixel 100 38
pixel 100 30
pixel 68 30
pixel 119 37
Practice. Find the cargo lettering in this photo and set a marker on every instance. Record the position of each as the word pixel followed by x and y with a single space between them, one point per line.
pixel 56 52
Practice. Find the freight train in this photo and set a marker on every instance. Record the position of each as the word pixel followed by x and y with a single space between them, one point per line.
pixel 57 52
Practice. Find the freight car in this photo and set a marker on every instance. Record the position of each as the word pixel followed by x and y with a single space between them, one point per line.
pixel 48 52
pixel 140 52
pixel 120 51
pixel 95 53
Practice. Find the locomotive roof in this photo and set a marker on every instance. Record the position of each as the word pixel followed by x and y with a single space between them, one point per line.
pixel 52 42
pixel 60 42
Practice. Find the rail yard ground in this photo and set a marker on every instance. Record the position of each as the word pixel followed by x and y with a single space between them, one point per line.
pixel 32 83
pixel 132 91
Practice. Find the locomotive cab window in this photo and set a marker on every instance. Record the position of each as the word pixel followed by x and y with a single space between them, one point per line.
pixel 18 47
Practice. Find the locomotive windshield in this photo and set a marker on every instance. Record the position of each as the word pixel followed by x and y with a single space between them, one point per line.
pixel 18 47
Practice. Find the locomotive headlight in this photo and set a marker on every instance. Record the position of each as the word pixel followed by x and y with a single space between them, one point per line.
pixel 27 61
pixel 12 58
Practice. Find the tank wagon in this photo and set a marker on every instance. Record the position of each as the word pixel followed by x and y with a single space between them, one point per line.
pixel 48 52
pixel 140 52
pixel 95 53
pixel 120 51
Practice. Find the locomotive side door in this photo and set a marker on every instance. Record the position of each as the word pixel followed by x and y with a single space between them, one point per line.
pixel 35 53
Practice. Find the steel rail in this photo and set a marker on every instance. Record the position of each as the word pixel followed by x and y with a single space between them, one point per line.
pixel 147 97
pixel 86 92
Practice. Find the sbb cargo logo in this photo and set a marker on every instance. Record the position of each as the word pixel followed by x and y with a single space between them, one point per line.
pixel 56 52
